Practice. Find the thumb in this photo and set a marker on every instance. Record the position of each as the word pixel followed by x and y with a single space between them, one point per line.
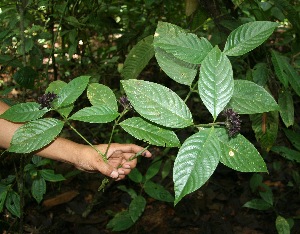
pixel 108 170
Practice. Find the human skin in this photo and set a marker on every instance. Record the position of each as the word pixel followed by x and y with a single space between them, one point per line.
pixel 83 157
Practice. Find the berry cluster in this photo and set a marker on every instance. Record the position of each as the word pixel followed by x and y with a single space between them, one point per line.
pixel 232 123
pixel 46 99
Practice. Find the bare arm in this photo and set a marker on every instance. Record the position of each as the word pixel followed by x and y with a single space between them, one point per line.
pixel 81 156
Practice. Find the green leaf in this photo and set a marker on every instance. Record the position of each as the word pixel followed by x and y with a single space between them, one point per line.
pixel 257 204
pixel 130 191
pixel 135 175
pixel 250 98
pixel 25 77
pixel 136 207
pixel 38 188
pixel 184 46
pixel 69 94
pixel 282 225
pixel 265 127
pixel 255 181
pixel 3 194
pixel 138 58
pixel 215 84
pixel 260 74
pixel 49 175
pixel 293 77
pixel 248 36
pixel 153 169
pixel 294 138
pixel 287 153
pixel 154 135
pixel 239 154
pixel 120 222
pixel 35 135
pixel 95 114
pixel 180 71
pixel 279 62
pixel 24 112
pixel 158 192
pixel 12 203
pixel 101 95
pixel 286 107
pixel 196 161
pixel 158 103
pixel 56 87
pixel 266 193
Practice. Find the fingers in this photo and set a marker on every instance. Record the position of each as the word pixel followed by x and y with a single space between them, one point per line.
pixel 130 148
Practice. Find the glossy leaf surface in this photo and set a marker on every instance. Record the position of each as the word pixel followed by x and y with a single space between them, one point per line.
pixel 196 161
pixel 239 154
pixel 250 98
pixel 215 84
pixel 153 134
pixel 35 135
pixel 248 36
pixel 158 103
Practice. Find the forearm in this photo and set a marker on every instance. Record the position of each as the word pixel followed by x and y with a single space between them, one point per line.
pixel 61 149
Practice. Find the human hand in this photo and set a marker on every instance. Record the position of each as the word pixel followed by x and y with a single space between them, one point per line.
pixel 120 159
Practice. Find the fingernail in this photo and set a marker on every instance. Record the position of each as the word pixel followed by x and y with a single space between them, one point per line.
pixel 114 174
pixel 126 166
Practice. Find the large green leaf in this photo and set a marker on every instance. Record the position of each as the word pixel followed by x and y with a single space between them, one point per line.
pixel 265 127
pixel 196 161
pixel 286 105
pixel 138 58
pixel 180 71
pixel 136 207
pixel 158 103
pixel 55 87
pixel 215 84
pixel 71 92
pixel 154 135
pixel 3 194
pixel 100 95
pixel 38 189
pixel 279 62
pixel 239 154
pixel 248 36
pixel 95 114
pixel 184 46
pixel 25 77
pixel 35 135
pixel 250 98
pixel 24 112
